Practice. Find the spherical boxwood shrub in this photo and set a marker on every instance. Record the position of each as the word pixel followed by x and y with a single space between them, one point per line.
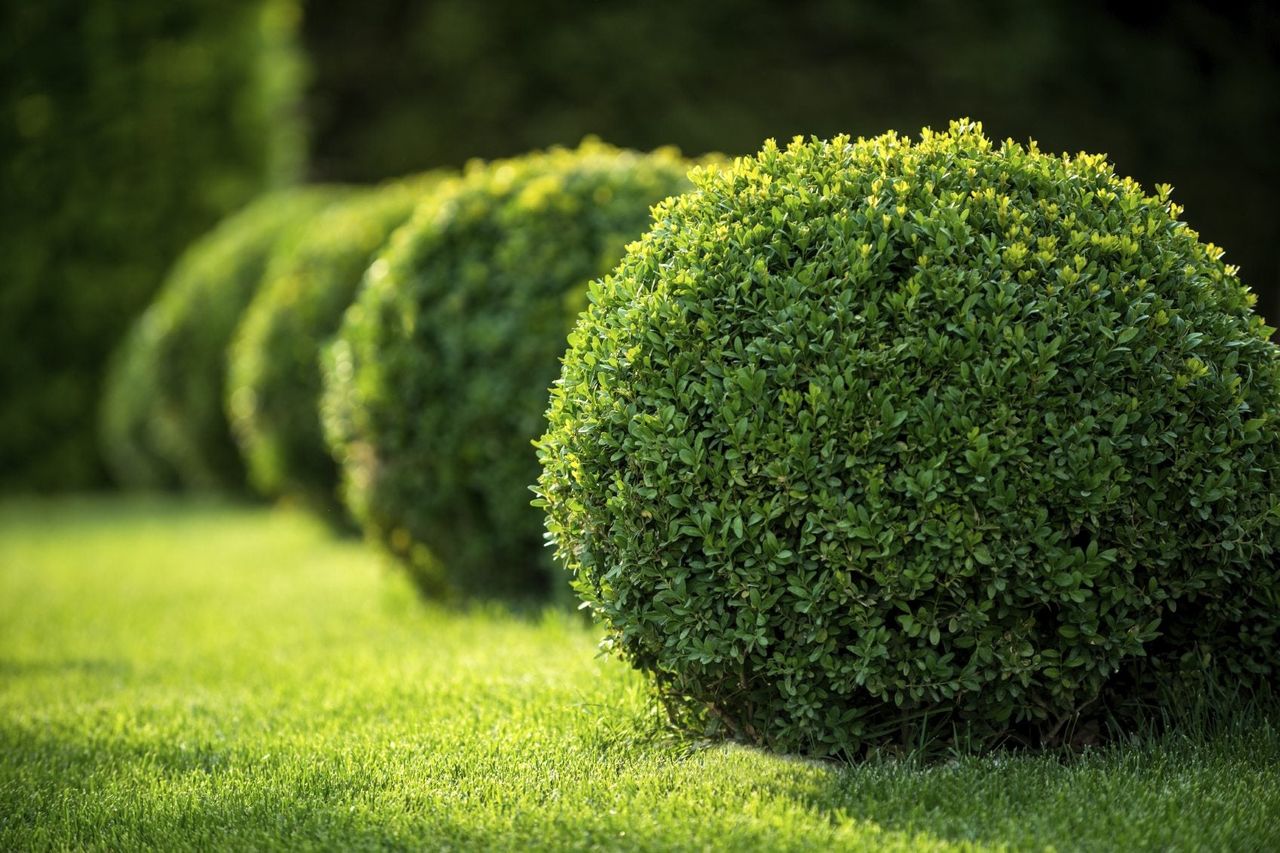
pixel 942 439
pixel 437 383
pixel 163 401
pixel 273 381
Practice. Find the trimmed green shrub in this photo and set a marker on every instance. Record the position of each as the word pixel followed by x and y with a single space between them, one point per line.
pixel 872 439
pixel 162 414
pixel 436 385
pixel 273 381
pixel 129 129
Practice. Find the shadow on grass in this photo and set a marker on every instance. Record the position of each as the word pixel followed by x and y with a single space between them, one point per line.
pixel 76 794
pixel 86 794
pixel 11 668
pixel 1212 785
pixel 1185 789
pixel 142 789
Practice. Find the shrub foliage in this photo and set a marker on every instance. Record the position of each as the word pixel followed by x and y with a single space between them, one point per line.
pixel 877 437
pixel 437 383
pixel 273 381
pixel 126 417
pixel 162 417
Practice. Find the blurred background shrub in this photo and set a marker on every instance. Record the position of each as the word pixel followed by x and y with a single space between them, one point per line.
pixel 273 380
pixel 126 427
pixel 437 383
pixel 129 128
pixel 163 406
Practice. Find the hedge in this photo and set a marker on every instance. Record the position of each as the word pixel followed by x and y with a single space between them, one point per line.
pixel 134 127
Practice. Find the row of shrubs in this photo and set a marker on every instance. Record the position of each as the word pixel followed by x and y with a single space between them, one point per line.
pixel 221 381
pixel 861 440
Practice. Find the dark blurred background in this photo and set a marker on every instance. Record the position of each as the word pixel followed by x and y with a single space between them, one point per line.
pixel 1177 92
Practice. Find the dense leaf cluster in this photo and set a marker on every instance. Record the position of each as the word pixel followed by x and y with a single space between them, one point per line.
pixel 877 437
pixel 129 129
pixel 273 379
pixel 162 411
pixel 437 382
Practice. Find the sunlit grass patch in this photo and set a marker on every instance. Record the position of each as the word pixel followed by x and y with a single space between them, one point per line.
pixel 205 675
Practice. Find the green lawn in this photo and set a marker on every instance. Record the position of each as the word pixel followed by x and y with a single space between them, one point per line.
pixel 200 675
